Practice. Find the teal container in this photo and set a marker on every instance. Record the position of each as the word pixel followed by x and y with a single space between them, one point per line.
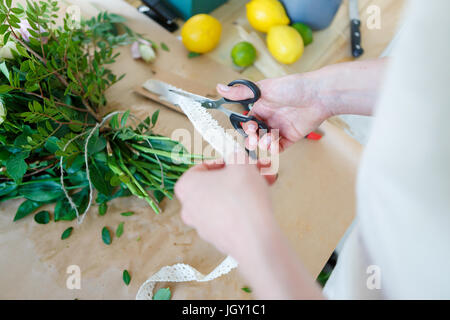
pixel 187 8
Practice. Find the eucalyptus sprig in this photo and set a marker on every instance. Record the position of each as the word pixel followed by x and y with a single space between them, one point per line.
pixel 53 80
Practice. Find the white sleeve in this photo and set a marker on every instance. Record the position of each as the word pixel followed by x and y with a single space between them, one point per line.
pixel 404 182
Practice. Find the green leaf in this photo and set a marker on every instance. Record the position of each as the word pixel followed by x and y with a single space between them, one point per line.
pixel 119 230
pixel 63 210
pixel 16 166
pixel 155 117
pixel 42 217
pixel 246 289
pixel 41 191
pixel 102 208
pixel 124 119
pixel 21 50
pixel 162 294
pixel 115 181
pixel 164 46
pixel 96 143
pixel 78 178
pixel 51 145
pixel 114 122
pixel 126 277
pixel 4 69
pixel 106 236
pixel 7 188
pixel 323 278
pixel 97 173
pixel 66 233
pixel 193 54
pixel 26 208
pixel 17 10
pixel 6 37
pixel 127 214
pixel 3 28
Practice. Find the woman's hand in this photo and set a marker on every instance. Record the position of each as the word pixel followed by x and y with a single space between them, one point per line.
pixel 298 104
pixel 289 104
pixel 228 205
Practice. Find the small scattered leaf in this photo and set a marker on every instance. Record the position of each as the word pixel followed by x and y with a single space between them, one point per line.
pixel 119 230
pixel 193 55
pixel 42 217
pixel 127 214
pixel 102 208
pixel 126 277
pixel 106 236
pixel 164 46
pixel 162 294
pixel 246 289
pixel 66 233
pixel 27 207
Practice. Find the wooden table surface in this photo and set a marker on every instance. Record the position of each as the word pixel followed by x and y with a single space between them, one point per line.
pixel 331 45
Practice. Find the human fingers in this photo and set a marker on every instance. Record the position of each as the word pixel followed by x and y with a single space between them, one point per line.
pixel 238 92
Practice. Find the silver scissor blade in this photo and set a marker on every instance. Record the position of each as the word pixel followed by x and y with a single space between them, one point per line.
pixel 353 9
pixel 202 120
pixel 168 92
pixel 189 95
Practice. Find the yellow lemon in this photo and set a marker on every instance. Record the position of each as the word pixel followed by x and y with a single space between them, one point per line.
pixel 264 14
pixel 285 44
pixel 201 33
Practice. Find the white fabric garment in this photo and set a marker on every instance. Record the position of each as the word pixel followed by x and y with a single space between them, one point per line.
pixel 403 219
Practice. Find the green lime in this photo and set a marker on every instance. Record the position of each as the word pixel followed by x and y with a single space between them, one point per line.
pixel 243 54
pixel 305 32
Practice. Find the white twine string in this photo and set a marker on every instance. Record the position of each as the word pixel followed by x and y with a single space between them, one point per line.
pixel 80 217
pixel 66 193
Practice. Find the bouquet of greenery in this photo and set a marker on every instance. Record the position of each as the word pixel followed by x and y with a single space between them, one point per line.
pixel 56 144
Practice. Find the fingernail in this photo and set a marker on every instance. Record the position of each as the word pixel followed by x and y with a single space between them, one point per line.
pixel 251 127
pixel 265 141
pixel 223 87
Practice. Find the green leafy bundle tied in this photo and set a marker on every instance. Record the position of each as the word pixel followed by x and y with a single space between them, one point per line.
pixel 56 143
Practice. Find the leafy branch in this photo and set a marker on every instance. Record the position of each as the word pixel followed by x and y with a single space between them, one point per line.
pixel 53 80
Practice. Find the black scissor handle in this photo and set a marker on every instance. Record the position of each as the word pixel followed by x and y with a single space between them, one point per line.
pixel 237 120
pixel 252 86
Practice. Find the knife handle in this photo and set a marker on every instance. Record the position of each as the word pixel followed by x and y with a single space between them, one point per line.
pixel 355 27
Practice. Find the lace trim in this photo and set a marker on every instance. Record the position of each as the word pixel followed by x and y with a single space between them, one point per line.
pixel 182 273
pixel 223 143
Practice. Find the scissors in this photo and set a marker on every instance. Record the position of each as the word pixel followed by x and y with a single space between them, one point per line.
pixel 236 119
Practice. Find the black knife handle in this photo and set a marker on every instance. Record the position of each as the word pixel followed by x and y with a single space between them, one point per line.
pixel 160 9
pixel 355 27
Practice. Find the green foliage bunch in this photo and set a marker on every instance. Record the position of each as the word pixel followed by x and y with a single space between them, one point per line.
pixel 52 91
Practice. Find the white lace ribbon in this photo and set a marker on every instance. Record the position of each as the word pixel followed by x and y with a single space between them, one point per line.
pixel 181 272
pixel 223 143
